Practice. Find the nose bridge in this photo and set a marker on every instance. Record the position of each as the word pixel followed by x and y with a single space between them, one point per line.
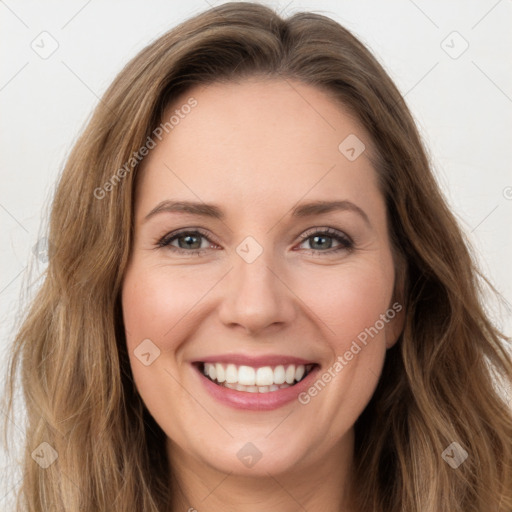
pixel 256 297
pixel 254 270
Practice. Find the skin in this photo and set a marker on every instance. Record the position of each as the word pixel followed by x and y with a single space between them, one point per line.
pixel 256 149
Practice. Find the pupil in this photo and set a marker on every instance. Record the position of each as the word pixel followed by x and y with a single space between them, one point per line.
pixel 189 241
pixel 317 237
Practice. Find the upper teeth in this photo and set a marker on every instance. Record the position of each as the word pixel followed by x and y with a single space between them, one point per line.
pixel 249 376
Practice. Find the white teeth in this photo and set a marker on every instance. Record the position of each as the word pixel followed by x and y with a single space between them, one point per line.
pixel 279 375
pixel 290 374
pixel 255 380
pixel 231 374
pixel 221 374
pixel 264 376
pixel 246 376
pixel 299 372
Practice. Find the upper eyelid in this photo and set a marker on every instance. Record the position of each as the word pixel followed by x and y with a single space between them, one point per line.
pixel 328 230
pixel 184 231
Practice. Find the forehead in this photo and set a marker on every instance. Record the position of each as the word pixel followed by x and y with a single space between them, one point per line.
pixel 256 143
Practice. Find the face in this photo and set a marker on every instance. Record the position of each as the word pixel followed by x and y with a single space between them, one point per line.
pixel 288 308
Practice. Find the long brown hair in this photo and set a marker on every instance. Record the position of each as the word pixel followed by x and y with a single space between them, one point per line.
pixel 437 386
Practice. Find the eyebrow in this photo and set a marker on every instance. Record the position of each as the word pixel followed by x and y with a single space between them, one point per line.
pixel 309 209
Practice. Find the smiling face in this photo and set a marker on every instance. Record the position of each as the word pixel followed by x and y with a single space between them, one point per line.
pixel 254 288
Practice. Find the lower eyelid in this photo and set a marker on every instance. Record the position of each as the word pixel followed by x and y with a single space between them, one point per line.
pixel 343 245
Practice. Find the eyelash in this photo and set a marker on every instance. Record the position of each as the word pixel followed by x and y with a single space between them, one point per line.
pixel 345 242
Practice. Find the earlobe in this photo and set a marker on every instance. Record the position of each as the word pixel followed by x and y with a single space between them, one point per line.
pixel 395 326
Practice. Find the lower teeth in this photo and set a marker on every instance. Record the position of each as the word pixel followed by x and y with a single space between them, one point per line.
pixel 254 389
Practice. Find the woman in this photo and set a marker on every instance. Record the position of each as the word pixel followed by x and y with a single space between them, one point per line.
pixel 195 347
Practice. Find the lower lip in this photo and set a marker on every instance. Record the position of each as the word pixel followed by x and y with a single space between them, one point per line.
pixel 257 401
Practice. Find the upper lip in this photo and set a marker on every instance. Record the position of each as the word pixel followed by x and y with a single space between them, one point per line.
pixel 255 361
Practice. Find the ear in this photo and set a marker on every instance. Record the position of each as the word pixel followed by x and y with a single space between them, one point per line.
pixel 395 325
pixel 396 311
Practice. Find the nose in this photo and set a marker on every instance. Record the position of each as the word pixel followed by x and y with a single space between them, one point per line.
pixel 256 297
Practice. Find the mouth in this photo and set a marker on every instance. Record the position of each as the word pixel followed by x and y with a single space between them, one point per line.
pixel 249 379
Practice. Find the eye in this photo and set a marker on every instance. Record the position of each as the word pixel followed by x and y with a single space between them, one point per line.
pixel 189 242
pixel 321 240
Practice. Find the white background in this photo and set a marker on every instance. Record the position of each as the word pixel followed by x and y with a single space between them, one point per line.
pixel 463 107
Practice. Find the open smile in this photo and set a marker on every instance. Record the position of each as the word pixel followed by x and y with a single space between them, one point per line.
pixel 264 379
pixel 255 387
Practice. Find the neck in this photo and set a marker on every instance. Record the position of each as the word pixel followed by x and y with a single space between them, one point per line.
pixel 321 486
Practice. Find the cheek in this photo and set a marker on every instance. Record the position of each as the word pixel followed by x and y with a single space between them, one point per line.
pixel 151 307
pixel 161 304
pixel 153 304
pixel 341 301
pixel 347 299
pixel 155 308
pixel 350 304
